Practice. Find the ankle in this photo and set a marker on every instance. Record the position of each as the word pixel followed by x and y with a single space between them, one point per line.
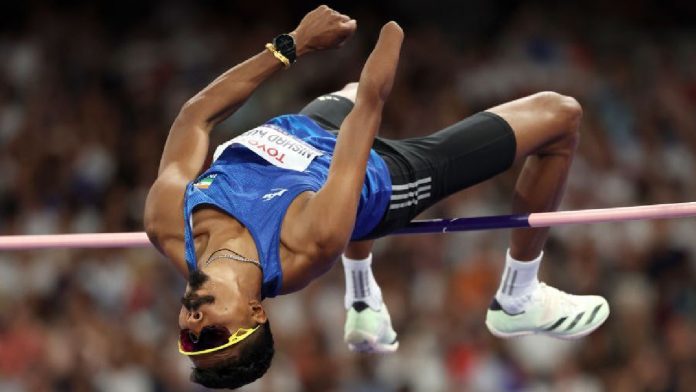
pixel 361 285
pixel 518 282
pixel 515 304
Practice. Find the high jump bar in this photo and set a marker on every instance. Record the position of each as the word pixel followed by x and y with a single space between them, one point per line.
pixel 540 219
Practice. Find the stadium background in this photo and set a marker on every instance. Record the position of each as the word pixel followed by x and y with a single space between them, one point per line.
pixel 88 91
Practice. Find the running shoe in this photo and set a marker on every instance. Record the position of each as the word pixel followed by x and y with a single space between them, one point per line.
pixel 368 330
pixel 551 312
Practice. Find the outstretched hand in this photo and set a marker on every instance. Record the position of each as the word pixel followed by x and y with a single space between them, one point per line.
pixel 380 67
pixel 323 28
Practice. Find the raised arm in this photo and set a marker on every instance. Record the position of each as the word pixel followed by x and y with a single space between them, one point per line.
pixel 187 144
pixel 332 211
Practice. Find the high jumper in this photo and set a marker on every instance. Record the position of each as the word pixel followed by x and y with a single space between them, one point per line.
pixel 283 201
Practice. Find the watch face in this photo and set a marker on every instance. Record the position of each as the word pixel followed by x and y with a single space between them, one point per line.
pixel 285 44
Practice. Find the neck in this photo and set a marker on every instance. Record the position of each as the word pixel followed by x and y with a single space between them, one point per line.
pixel 246 277
pixel 237 240
pixel 221 260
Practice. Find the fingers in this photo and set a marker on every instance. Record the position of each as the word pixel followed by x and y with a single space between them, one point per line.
pixel 392 26
pixel 389 42
pixel 341 18
pixel 347 30
pixel 391 30
pixel 377 76
pixel 325 28
pixel 350 25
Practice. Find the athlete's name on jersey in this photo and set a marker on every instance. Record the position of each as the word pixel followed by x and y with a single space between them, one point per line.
pixel 267 140
pixel 276 146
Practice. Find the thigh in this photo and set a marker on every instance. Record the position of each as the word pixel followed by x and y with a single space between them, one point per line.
pixel 539 119
pixel 461 155
pixel 425 170
pixel 328 111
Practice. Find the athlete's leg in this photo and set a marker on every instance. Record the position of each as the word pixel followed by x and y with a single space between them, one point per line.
pixel 360 282
pixel 546 131
pixel 330 110
pixel 545 126
pixel 368 326
pixel 359 249
pixel 349 91
pixel 541 128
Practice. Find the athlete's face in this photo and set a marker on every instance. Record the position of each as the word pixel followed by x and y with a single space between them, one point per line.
pixel 212 301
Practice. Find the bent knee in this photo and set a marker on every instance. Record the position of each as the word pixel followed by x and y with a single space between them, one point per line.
pixel 562 114
pixel 562 108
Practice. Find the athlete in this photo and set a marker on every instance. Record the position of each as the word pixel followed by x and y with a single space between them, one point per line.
pixel 281 202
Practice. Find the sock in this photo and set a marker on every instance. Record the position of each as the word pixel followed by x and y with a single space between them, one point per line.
pixel 518 282
pixel 360 284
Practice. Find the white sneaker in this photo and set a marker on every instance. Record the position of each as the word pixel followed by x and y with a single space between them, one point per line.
pixel 551 312
pixel 368 330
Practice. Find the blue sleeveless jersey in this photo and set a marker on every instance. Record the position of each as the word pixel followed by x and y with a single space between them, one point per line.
pixel 255 177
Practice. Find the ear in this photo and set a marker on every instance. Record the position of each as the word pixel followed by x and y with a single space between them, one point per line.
pixel 258 313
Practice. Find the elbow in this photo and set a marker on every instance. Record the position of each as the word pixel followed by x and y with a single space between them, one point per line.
pixel 153 231
pixel 191 108
pixel 150 223
pixel 194 113
pixel 151 215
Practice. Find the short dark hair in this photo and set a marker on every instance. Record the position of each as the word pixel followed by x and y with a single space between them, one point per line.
pixel 253 361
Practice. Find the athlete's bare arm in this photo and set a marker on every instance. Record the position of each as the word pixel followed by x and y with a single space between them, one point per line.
pixel 187 144
pixel 330 213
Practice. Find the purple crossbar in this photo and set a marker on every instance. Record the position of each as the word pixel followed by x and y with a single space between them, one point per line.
pixel 548 219
pixel 465 224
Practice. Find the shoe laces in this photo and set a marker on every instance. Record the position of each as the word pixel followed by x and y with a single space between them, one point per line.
pixel 556 298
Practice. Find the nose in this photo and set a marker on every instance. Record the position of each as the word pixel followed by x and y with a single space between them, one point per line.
pixel 194 317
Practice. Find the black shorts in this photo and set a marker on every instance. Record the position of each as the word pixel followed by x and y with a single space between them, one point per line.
pixel 425 170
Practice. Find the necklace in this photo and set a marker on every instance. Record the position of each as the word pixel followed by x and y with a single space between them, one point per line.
pixel 232 256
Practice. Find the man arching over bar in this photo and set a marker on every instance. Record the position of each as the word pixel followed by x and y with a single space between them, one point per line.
pixel 283 201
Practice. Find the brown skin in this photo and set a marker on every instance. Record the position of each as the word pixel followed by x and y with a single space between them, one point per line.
pixel 546 129
pixel 314 231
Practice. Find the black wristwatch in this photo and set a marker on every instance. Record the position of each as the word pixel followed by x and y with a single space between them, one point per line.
pixel 285 44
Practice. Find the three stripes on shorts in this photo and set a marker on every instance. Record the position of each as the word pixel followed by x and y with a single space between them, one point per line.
pixel 406 195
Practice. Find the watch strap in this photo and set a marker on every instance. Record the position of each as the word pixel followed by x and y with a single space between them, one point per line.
pixel 276 53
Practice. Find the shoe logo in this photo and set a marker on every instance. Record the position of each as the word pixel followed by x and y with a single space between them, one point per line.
pixel 275 192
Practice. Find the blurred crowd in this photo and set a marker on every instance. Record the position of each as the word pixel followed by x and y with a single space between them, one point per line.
pixel 88 91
